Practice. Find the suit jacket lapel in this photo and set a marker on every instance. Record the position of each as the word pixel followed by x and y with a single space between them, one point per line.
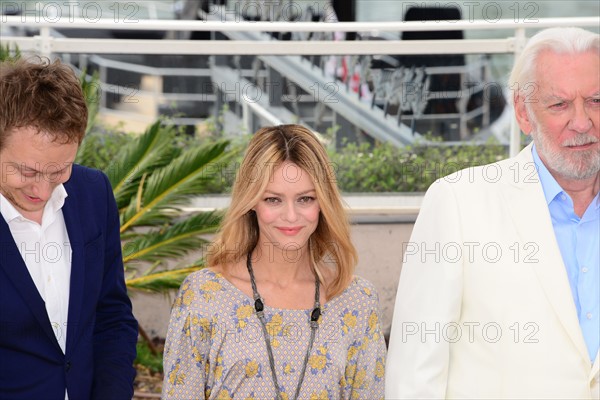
pixel 76 288
pixel 534 224
pixel 13 265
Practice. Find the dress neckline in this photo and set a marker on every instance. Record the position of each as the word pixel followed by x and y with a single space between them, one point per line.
pixel 325 306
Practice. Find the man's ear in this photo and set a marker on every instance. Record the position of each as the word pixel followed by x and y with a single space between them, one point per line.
pixel 523 118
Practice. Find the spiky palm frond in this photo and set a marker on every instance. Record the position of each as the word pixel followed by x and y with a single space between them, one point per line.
pixel 173 241
pixel 91 91
pixel 159 282
pixel 167 188
pixel 152 150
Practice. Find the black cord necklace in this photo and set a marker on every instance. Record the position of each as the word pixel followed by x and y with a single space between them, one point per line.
pixel 314 317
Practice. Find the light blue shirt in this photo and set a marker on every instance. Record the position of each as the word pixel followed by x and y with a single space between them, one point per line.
pixel 579 243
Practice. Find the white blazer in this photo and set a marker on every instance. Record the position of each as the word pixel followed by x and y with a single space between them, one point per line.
pixel 484 308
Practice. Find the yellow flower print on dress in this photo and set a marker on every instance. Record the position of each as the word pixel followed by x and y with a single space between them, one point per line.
pixel 320 361
pixel 352 352
pixel 219 368
pixel 186 326
pixel 288 369
pixel 322 395
pixel 373 323
pixel 224 394
pixel 364 344
pixel 176 378
pixel 187 297
pixel 275 329
pixel 367 291
pixel 275 325
pixel 242 313
pixel 379 369
pixel 209 288
pixel 184 298
pixel 179 299
pixel 350 372
pixel 253 369
pixel 207 328
pixel 198 358
pixel 349 320
pixel 359 379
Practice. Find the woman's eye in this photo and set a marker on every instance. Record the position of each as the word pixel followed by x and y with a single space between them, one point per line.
pixel 306 199
pixel 272 200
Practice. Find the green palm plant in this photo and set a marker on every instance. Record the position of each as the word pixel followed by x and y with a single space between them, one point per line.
pixel 153 178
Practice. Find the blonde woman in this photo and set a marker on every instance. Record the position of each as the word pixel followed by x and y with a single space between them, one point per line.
pixel 278 313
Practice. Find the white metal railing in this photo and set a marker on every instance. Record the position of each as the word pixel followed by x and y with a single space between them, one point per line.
pixel 45 44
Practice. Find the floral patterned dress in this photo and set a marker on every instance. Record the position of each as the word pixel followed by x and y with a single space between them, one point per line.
pixel 215 346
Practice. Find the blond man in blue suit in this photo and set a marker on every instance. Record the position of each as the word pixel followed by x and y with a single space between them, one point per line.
pixel 66 326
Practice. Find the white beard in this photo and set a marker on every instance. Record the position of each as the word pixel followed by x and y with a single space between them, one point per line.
pixel 570 165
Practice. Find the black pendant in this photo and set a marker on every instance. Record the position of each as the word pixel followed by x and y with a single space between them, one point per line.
pixel 258 305
pixel 315 314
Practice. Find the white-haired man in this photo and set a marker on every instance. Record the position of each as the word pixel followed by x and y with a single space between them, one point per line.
pixel 499 292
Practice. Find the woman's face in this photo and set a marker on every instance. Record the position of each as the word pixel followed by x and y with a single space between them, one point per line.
pixel 288 211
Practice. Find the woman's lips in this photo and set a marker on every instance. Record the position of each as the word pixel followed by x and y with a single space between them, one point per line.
pixel 291 231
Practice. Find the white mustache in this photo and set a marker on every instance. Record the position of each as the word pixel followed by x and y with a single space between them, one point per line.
pixel 580 140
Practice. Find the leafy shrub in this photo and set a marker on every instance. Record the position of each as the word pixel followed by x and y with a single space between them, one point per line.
pixel 386 168
pixel 104 145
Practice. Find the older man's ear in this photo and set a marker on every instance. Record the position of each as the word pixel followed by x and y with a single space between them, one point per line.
pixel 523 117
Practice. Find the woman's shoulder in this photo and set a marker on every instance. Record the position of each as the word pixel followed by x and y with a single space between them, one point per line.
pixel 202 276
pixel 206 286
pixel 206 282
pixel 360 293
pixel 363 286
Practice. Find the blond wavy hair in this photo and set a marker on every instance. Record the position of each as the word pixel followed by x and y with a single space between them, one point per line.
pixel 238 235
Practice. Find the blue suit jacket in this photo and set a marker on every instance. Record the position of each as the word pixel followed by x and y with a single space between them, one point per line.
pixel 101 331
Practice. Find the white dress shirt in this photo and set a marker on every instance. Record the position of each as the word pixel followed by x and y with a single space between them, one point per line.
pixel 46 251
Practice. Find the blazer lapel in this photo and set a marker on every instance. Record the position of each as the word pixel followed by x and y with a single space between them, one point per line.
pixel 534 224
pixel 76 286
pixel 13 265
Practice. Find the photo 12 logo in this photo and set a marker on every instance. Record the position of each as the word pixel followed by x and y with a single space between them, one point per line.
pixel 53 12
pixel 273 10
pixel 489 11
pixel 470 331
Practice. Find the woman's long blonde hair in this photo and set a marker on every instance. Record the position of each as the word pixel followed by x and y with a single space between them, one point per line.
pixel 329 245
